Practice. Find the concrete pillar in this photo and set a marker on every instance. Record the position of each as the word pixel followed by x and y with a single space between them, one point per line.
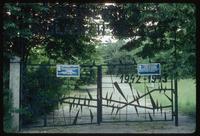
pixel 14 85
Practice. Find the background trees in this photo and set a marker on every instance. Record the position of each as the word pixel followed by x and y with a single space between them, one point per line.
pixel 56 28
pixel 66 31
pixel 153 27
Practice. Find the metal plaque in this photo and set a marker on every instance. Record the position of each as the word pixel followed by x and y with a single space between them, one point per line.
pixel 149 69
pixel 67 70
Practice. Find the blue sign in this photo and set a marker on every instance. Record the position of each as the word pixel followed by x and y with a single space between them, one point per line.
pixel 149 69
pixel 67 70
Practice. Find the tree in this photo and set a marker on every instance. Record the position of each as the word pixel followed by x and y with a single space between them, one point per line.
pixel 153 27
pixel 32 25
pixel 21 31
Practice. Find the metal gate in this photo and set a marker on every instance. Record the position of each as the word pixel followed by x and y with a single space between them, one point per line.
pixel 103 93
pixel 127 97
pixel 48 100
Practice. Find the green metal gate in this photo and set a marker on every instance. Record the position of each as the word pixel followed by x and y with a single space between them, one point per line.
pixel 48 100
pixel 127 97
pixel 102 93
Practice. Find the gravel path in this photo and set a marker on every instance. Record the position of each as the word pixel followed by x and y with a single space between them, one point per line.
pixel 186 125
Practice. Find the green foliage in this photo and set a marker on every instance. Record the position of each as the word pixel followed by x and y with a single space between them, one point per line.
pixel 7 115
pixel 153 28
pixel 69 48
pixel 187 96
pixel 7 100
pixel 38 56
pixel 28 25
pixel 88 76
pixel 58 28
pixel 21 27
pixel 41 92
pixel 123 18
pixel 112 54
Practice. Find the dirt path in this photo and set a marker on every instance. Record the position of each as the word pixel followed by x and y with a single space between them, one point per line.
pixel 186 125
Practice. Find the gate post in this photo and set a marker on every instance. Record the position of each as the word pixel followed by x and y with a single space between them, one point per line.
pixel 176 101
pixel 175 80
pixel 99 94
pixel 14 85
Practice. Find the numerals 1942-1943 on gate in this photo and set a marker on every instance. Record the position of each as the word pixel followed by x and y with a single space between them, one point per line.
pixel 131 78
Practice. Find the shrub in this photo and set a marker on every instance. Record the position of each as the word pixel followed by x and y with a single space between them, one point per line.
pixel 41 92
pixel 7 100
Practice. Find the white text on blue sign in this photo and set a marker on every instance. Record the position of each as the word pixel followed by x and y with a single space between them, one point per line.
pixel 149 69
pixel 67 70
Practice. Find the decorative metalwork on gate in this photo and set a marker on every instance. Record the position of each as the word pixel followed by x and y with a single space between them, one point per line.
pixel 105 93
pixel 77 106
pixel 137 98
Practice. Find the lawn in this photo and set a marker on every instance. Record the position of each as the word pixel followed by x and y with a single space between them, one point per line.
pixel 186 96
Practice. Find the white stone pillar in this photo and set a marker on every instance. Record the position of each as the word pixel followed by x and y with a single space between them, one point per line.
pixel 14 85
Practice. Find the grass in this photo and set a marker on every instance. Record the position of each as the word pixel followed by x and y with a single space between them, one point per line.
pixel 186 96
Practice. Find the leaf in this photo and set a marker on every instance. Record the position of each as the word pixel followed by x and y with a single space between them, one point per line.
pixel 153 112
pixel 152 101
pixel 161 85
pixel 138 94
pixel 157 104
pixel 79 100
pixel 136 111
pixel 132 91
pixel 76 117
pixel 168 97
pixel 91 115
pixel 73 102
pixel 112 109
pixel 119 90
pixel 150 117
pixel 106 95
pixel 70 107
pixel 85 101
pixel 161 109
pixel 136 98
pixel 8 25
pixel 160 90
pixel 165 89
pixel 111 97
pixel 158 86
pixel 117 111
pixel 89 94
pixel 151 98
pixel 107 98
